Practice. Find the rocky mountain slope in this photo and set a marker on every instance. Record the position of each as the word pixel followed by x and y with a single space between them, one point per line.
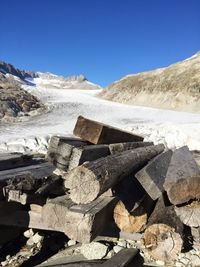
pixel 15 101
pixel 175 87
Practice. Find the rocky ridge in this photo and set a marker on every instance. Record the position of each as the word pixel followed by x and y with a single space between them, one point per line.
pixel 175 87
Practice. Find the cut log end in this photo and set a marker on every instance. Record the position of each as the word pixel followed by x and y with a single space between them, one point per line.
pixel 84 187
pixel 127 222
pixel 162 242
pixel 189 214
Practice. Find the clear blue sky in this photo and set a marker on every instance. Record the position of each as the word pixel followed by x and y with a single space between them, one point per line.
pixel 103 39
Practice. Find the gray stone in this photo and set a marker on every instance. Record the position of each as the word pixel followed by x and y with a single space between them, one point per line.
pixel 28 233
pixel 94 251
pixel 122 243
pixel 117 248
pixel 37 238
pixel 71 242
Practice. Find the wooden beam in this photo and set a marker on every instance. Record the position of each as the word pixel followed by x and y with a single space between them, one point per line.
pixel 152 176
pixel 92 179
pixel 79 222
pixel 99 133
pixel 183 177
pixel 14 160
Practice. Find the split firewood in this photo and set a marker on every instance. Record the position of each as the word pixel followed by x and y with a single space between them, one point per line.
pixel 136 220
pixel 120 147
pixel 152 176
pixel 92 179
pixel 163 235
pixel 99 133
pixel 182 181
pixel 189 214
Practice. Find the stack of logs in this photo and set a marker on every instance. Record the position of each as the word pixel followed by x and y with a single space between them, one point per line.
pixel 106 173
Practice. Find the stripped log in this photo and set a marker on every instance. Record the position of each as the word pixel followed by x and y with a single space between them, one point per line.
pixel 189 214
pixel 99 133
pixel 79 222
pixel 182 181
pixel 120 147
pixel 163 236
pixel 92 179
pixel 152 176
pixel 136 220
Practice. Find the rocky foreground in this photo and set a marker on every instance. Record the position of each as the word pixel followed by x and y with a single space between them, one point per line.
pixel 175 87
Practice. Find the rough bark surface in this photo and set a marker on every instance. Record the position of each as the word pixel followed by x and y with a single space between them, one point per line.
pixel 92 179
pixel 120 147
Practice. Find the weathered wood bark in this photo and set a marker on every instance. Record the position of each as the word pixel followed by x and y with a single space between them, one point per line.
pixel 37 171
pixel 13 160
pixel 183 177
pixel 80 155
pixel 92 179
pixel 60 150
pixel 79 222
pixel 120 147
pixel 189 214
pixel 25 189
pixel 152 176
pixel 163 235
pixel 122 258
pixel 136 220
pixel 99 133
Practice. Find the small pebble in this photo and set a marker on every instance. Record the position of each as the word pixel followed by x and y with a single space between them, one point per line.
pixel 94 250
pixel 122 243
pixel 71 242
pixel 110 254
pixel 4 263
pixel 28 233
pixel 37 238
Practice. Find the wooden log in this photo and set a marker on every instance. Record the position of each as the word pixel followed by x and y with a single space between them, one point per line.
pixel 189 214
pixel 99 133
pixel 80 222
pixel 152 176
pixel 133 221
pixel 163 235
pixel 14 160
pixel 92 179
pixel 120 147
pixel 37 171
pixel 87 153
pixel 60 150
pixel 122 258
pixel 183 177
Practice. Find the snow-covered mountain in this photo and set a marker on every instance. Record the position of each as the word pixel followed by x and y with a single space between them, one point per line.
pixel 13 75
pixel 175 87
pixel 16 101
